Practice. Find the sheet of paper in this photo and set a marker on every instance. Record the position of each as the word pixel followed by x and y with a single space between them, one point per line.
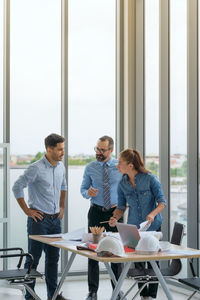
pixel 58 235
pixel 144 226
pixel 75 235
pixel 63 242
pixel 87 237
pixel 184 252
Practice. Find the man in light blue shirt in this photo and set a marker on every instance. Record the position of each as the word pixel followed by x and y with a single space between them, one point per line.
pixel 99 185
pixel 46 184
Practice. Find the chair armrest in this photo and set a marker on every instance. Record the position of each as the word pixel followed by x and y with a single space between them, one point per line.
pixel 15 249
pixel 11 249
pixel 21 255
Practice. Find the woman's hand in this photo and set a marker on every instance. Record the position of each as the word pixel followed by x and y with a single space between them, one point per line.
pixel 150 218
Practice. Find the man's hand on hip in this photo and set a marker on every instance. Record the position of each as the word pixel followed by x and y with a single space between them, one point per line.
pixel 60 216
pixel 35 214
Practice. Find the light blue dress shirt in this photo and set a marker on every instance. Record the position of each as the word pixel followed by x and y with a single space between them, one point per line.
pixel 93 177
pixel 44 183
pixel 142 200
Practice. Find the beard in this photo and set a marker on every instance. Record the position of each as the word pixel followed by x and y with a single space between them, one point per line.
pixel 100 157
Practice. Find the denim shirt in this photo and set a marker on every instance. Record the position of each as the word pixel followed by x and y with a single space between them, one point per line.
pixel 142 200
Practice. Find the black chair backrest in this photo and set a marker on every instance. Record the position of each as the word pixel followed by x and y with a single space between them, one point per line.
pixel 176 239
pixel 177 233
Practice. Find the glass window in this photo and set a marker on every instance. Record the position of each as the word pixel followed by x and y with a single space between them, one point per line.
pixel 152 85
pixel 91 95
pixel 35 89
pixel 178 113
pixel 1 71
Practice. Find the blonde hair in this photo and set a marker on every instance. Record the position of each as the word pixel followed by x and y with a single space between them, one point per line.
pixel 134 157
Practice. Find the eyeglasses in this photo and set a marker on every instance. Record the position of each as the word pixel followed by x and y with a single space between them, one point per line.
pixel 96 149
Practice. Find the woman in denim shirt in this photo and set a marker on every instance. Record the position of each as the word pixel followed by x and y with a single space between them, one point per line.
pixel 141 191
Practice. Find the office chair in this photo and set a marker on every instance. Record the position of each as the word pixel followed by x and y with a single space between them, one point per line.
pixel 147 276
pixel 19 278
pixel 193 282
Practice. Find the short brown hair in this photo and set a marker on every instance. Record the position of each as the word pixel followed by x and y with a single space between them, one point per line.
pixel 109 139
pixel 53 139
pixel 134 157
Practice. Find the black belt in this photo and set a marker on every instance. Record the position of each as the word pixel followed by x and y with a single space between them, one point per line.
pixel 101 208
pixel 51 216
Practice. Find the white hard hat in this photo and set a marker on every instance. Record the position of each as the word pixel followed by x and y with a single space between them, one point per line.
pixel 109 246
pixel 148 245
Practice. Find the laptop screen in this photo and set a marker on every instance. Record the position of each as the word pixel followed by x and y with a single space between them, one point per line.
pixel 129 234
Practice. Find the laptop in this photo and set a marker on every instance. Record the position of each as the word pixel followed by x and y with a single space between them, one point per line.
pixel 129 234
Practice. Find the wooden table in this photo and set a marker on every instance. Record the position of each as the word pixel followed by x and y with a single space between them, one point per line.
pixel 127 261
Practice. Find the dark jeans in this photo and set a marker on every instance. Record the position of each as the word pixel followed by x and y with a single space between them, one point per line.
pixel 95 216
pixel 46 226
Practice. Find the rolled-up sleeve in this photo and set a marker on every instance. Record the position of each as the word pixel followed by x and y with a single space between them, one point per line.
pixel 22 182
pixel 86 184
pixel 121 199
pixel 156 189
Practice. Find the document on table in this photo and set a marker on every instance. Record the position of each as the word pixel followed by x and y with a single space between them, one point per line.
pixel 75 235
pixel 184 252
pixel 65 242
pixel 57 235
pixel 144 226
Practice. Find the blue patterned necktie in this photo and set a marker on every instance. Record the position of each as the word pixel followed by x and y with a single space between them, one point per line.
pixel 106 187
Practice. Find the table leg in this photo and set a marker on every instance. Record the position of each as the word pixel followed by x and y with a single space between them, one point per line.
pixel 36 297
pixel 64 274
pixel 161 280
pixel 118 283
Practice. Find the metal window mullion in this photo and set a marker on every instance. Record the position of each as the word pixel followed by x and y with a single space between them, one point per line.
pixel 6 118
pixel 6 111
pixel 6 72
pixel 119 123
pixel 64 105
pixel 129 73
pixel 6 226
pixel 164 115
pixel 140 81
pixel 5 220
pixel 192 128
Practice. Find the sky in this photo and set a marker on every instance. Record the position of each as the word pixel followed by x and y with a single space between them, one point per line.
pixel 36 74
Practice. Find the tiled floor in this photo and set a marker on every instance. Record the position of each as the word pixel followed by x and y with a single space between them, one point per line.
pixel 76 289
